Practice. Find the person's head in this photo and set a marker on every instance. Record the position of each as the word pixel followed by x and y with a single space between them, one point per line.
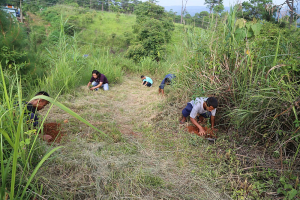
pixel 39 104
pixel 211 103
pixel 142 77
pixel 95 74
pixel 167 81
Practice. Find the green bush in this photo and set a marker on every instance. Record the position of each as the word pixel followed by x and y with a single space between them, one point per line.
pixel 153 29
pixel 136 52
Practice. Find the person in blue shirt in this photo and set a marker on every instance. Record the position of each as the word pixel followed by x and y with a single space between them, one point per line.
pixel 166 81
pixel 146 81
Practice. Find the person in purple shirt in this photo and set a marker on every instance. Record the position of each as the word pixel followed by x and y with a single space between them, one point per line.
pixel 98 80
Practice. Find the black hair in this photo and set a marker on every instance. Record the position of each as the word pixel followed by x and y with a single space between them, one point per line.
pixel 96 72
pixel 167 80
pixel 42 93
pixel 212 101
pixel 142 76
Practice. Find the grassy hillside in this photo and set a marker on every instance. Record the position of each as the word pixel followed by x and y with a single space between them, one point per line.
pixel 250 66
pixel 73 32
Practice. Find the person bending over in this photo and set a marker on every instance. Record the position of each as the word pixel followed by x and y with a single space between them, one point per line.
pixel 98 81
pixel 146 81
pixel 36 105
pixel 204 106
pixel 166 81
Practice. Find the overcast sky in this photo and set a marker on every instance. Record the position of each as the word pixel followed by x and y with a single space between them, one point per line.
pixel 200 2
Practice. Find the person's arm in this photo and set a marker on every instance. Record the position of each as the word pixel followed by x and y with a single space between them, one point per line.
pixel 193 116
pixel 201 129
pixel 212 119
pixel 99 85
pixel 146 83
pixel 89 84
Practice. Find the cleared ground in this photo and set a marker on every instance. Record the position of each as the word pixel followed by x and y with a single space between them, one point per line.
pixel 147 156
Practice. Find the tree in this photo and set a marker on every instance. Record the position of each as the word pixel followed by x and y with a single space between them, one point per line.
pixel 149 10
pixel 289 4
pixel 183 9
pixel 153 29
pixel 188 18
pixel 218 8
pixel 172 14
pixel 255 9
pixel 14 47
pixel 212 3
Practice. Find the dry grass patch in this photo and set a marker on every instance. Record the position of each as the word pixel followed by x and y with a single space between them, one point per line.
pixel 143 159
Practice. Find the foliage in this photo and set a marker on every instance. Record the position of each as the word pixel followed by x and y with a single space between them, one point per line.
pixel 124 6
pixel 252 67
pixel 255 9
pixel 136 52
pixel 153 29
pixel 18 142
pixel 14 48
pixel 288 190
pixel 149 10
pixel 215 5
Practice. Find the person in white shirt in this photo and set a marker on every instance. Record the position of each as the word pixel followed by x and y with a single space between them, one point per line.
pixel 204 106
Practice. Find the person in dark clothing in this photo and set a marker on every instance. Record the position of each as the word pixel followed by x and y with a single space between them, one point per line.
pixel 36 105
pixel 166 81
pixel 98 80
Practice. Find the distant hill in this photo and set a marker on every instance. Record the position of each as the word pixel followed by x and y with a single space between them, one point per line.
pixel 192 10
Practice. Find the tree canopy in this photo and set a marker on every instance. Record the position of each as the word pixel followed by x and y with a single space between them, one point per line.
pixel 255 9
pixel 153 28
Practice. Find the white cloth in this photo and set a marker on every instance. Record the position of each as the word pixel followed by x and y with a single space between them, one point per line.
pixel 198 107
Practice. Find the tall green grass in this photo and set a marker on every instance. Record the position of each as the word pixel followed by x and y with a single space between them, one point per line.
pixel 256 81
pixel 71 65
pixel 16 144
pixel 253 78
pixel 19 142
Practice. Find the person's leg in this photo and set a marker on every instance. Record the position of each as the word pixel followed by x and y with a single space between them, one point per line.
pixel 149 84
pixel 94 83
pixel 105 87
pixel 144 82
pixel 161 88
pixel 186 112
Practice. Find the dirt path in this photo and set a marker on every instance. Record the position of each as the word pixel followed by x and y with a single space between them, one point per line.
pixel 135 166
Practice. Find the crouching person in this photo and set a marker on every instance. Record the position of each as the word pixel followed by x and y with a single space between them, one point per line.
pixel 146 81
pixel 36 105
pixel 166 81
pixel 32 109
pixel 206 107
pixel 98 81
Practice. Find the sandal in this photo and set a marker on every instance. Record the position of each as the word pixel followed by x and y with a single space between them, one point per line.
pixel 181 122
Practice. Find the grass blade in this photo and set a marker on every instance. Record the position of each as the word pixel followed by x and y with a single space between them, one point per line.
pixel 37 168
